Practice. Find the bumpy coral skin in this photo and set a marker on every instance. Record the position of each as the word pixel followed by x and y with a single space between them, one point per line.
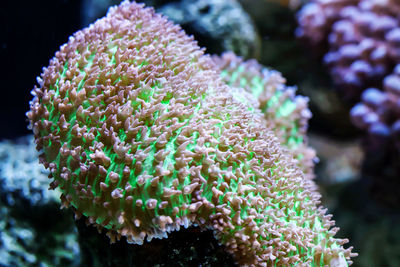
pixel 379 111
pixel 363 38
pixel 286 113
pixel 142 137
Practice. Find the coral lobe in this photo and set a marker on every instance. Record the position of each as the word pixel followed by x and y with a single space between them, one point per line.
pixel 143 137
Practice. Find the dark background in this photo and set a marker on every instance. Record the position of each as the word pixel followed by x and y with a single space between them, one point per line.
pixel 31 33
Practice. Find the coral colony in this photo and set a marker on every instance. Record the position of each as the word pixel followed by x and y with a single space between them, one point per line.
pixel 363 38
pixel 285 113
pixel 364 49
pixel 379 111
pixel 142 136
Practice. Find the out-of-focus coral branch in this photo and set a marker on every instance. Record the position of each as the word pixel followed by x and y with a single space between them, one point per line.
pixel 379 111
pixel 363 38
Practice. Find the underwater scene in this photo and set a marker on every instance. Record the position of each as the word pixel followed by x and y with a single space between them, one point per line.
pixel 200 133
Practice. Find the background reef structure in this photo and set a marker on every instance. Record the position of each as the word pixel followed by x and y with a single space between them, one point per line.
pixel 379 111
pixel 378 114
pixel 362 38
pixel 142 137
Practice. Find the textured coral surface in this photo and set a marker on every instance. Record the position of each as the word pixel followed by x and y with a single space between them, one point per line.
pixel 286 114
pixel 142 137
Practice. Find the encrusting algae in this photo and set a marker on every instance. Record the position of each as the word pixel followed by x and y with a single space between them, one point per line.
pixel 142 136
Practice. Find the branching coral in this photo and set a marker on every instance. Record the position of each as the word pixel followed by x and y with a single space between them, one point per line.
pixel 379 111
pixel 142 136
pixel 363 38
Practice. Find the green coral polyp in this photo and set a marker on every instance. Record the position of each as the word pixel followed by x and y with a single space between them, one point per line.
pixel 142 137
